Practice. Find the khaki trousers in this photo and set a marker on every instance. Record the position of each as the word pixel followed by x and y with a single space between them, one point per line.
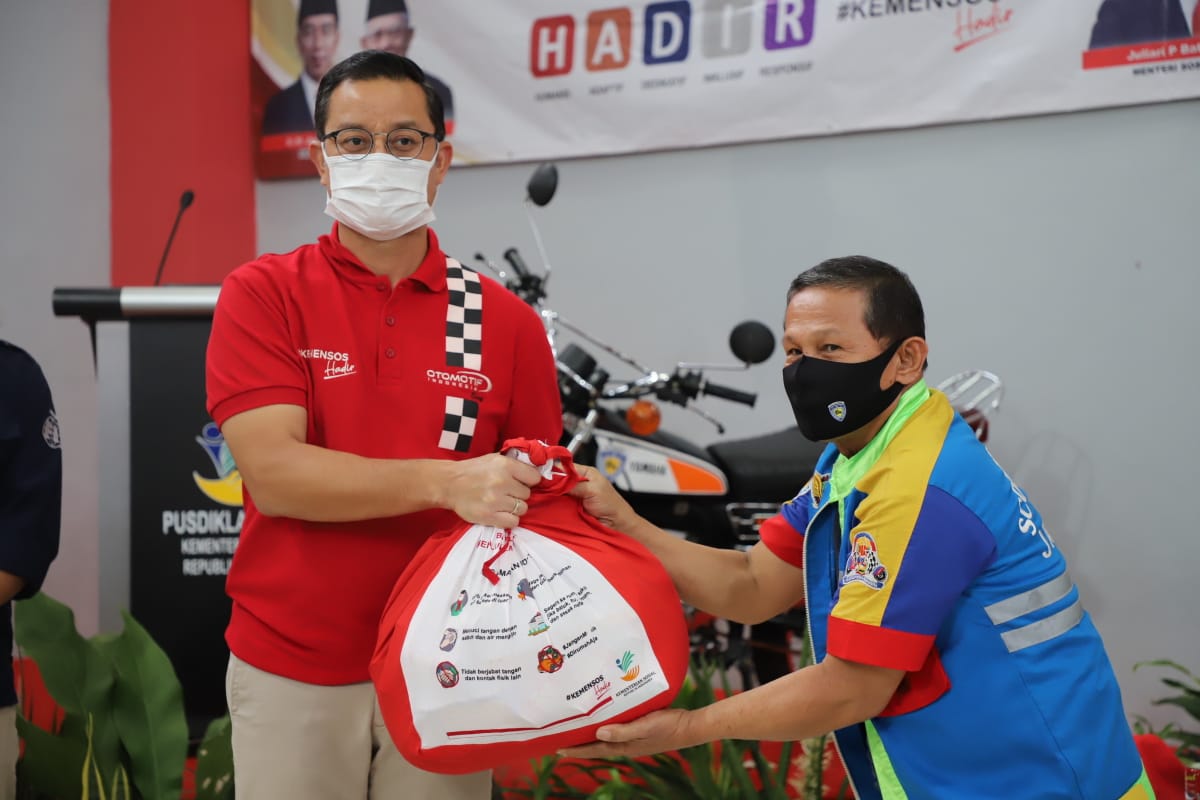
pixel 298 741
pixel 9 749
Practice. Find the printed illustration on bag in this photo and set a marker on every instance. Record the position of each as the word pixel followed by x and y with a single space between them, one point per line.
pixel 447 674
pixel 538 625
pixel 629 670
pixel 549 659
pixel 863 564
pixel 458 605
pixel 524 589
pixel 449 639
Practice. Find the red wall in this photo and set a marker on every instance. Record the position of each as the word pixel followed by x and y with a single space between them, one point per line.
pixel 179 88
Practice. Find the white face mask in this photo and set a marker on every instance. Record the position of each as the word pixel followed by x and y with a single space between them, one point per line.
pixel 379 195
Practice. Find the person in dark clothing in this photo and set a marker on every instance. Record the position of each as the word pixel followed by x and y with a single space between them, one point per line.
pixel 30 514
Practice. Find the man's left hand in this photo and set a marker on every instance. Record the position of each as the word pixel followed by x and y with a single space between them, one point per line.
pixel 656 732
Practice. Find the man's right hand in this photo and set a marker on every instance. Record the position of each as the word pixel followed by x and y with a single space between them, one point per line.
pixel 602 501
pixel 491 490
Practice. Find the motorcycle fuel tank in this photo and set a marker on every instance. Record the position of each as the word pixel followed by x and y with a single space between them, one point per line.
pixel 636 465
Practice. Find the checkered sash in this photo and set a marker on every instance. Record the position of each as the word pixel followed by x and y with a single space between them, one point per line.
pixel 464 348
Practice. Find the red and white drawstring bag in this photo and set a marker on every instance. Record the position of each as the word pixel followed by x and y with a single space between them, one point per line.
pixel 500 645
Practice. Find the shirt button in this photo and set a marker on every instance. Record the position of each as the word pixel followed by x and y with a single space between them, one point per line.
pixel 390 353
pixel 381 286
pixel 390 320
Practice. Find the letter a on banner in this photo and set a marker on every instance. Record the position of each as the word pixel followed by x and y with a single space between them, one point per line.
pixel 608 39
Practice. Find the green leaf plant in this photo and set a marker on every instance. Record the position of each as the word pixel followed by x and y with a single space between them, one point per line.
pixel 123 733
pixel 1187 687
pixel 725 770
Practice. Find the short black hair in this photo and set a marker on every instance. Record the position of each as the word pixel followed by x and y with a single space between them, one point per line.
pixel 894 310
pixel 367 65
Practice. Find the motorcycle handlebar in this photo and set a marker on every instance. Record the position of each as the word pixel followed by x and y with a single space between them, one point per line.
pixel 727 393
pixel 516 262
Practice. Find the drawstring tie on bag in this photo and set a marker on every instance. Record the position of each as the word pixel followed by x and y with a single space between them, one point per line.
pixel 490 573
pixel 558 477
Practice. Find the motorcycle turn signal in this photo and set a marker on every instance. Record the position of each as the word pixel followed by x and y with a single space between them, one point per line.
pixel 643 417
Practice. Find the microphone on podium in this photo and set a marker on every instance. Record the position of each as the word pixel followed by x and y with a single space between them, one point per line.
pixel 185 200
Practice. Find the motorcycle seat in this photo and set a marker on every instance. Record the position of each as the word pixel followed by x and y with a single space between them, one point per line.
pixel 771 468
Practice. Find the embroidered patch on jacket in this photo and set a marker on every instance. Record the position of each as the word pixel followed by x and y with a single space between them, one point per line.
pixel 50 431
pixel 816 487
pixel 864 565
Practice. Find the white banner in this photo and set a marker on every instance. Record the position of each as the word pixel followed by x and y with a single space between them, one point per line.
pixel 545 79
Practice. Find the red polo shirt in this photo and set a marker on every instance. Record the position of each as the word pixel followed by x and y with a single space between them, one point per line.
pixel 448 364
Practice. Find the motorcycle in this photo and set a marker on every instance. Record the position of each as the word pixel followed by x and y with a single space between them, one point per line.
pixel 716 495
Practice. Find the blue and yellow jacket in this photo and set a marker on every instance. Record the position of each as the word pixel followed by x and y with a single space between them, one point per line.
pixel 921 554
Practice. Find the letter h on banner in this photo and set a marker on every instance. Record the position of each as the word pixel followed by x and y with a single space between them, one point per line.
pixel 552 46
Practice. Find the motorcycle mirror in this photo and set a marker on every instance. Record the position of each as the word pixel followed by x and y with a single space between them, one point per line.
pixel 752 342
pixel 542 184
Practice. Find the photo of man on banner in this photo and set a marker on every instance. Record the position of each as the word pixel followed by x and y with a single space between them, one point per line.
pixel 389 28
pixel 1126 22
pixel 291 110
pixel 294 43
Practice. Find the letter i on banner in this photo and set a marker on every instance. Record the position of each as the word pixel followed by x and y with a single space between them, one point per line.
pixel 726 28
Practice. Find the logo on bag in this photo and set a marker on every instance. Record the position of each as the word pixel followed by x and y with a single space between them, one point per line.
pixel 837 410
pixel 629 670
pixel 449 639
pixel 524 589
pixel 447 675
pixel 458 605
pixel 597 683
pixel 863 565
pixel 549 659
pixel 537 625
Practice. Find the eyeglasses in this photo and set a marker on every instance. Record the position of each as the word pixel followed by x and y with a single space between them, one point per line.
pixel 403 143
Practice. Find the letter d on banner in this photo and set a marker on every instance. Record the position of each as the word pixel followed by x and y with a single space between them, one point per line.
pixel 668 32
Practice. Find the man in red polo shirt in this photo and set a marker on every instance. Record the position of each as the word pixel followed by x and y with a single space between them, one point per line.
pixel 363 385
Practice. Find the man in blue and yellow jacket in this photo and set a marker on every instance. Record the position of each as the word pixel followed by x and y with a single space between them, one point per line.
pixel 953 655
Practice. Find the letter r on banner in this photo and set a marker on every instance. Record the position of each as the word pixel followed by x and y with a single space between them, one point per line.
pixel 552 46
pixel 608 38
pixel 789 23
pixel 668 32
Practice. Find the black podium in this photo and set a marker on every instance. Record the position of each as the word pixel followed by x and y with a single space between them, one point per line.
pixel 170 497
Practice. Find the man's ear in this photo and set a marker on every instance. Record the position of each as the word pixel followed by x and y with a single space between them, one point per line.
pixel 910 366
pixel 441 162
pixel 316 154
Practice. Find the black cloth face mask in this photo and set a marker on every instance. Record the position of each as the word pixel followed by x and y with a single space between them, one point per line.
pixel 832 398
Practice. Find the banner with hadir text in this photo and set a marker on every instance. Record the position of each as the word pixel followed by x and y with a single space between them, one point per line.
pixel 545 79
